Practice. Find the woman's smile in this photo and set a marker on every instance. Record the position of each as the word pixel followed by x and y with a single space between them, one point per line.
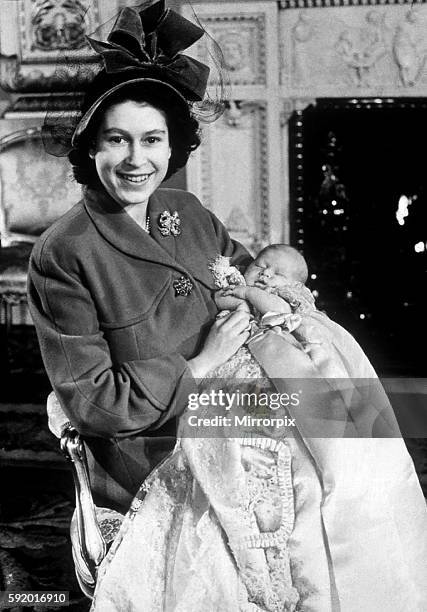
pixel 136 179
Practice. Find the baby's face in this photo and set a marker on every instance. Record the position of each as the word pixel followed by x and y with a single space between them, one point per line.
pixel 270 269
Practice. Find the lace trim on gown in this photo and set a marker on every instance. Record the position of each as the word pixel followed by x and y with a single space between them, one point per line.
pixel 258 538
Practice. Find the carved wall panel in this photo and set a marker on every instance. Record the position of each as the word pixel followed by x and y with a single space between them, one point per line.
pixel 230 173
pixel 247 36
pixel 34 33
pixel 48 27
pixel 242 41
pixel 237 172
pixel 354 51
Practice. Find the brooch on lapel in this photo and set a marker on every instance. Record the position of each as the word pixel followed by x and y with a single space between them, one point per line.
pixel 169 223
pixel 183 286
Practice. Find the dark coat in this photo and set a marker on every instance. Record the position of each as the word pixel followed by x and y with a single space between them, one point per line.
pixel 114 334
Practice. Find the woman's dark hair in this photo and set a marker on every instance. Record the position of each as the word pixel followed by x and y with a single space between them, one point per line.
pixel 184 133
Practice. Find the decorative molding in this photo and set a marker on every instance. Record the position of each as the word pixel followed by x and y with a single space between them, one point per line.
pixel 247 193
pixel 42 44
pixel 242 202
pixel 290 105
pixel 16 77
pixel 354 51
pixel 297 179
pixel 49 28
pixel 236 111
pixel 371 103
pixel 286 111
pixel 305 4
pixel 233 114
pixel 264 235
pixel 242 40
pixel 31 105
pixel 300 104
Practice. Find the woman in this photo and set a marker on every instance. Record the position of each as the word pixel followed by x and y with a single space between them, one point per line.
pixel 118 289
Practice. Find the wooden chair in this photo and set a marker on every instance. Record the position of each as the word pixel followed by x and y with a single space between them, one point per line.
pixel 92 528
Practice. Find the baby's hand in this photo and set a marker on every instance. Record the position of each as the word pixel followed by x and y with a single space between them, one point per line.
pixel 239 291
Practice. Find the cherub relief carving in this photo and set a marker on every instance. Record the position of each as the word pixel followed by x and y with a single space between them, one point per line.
pixel 410 48
pixel 362 47
pixel 58 25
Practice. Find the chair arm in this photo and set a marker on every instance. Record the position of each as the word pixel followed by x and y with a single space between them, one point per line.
pixel 92 544
pixel 92 529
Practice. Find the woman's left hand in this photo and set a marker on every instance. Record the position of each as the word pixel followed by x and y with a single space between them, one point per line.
pixel 225 337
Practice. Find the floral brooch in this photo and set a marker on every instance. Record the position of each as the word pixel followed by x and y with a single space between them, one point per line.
pixel 169 223
pixel 224 274
pixel 183 286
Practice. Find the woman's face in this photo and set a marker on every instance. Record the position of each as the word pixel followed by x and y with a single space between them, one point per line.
pixel 132 151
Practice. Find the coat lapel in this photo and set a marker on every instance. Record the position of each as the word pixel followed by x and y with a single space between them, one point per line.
pixel 119 229
pixel 181 247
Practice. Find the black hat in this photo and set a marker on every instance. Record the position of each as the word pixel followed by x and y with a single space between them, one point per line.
pixel 143 51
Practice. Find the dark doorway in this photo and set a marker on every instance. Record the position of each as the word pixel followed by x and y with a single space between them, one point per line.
pixel 351 163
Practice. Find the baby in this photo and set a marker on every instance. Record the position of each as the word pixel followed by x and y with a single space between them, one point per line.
pixel 293 341
pixel 273 283
pixel 273 290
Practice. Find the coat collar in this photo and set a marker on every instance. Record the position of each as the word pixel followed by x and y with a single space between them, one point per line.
pixel 119 229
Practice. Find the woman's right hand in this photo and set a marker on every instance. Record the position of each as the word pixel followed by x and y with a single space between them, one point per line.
pixel 225 337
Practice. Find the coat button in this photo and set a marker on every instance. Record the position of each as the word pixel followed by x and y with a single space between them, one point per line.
pixel 183 286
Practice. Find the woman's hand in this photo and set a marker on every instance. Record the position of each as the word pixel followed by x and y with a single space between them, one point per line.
pixel 226 301
pixel 225 337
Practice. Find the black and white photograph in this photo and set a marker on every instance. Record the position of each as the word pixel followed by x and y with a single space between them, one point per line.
pixel 213 272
